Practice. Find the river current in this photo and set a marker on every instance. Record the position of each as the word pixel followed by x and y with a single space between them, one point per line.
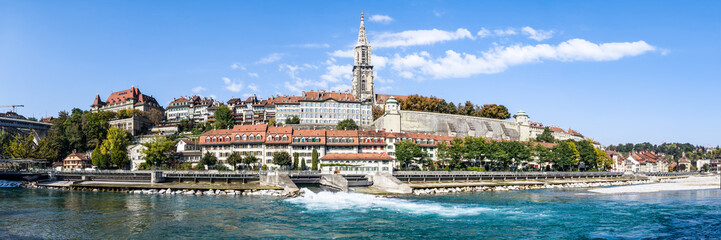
pixel 533 214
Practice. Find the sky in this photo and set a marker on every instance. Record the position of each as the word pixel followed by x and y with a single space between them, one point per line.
pixel 616 71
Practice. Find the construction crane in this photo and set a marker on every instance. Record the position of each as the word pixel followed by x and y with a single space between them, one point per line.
pixel 12 106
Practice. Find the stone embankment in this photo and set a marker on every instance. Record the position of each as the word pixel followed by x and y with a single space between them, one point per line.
pixel 194 192
pixel 9 184
pixel 442 190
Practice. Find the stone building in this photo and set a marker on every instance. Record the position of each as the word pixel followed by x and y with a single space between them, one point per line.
pixel 127 99
pixel 192 108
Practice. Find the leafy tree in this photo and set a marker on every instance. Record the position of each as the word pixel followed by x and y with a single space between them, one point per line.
pixel 451 109
pixel 494 111
pixel 159 152
pixel 234 159
pixel 155 116
pixel 302 164
pixel 271 122
pixel 99 158
pixel 249 160
pixel 347 124
pixel 74 132
pixel 95 127
pixel 5 139
pixel 295 160
pixel 282 159
pixel 314 160
pixel 546 136
pixel 208 160
pixel 223 117
pixel 32 119
pixel 602 160
pixel 565 154
pixel 407 152
pixel 587 153
pixel 22 147
pixel 519 152
pixel 292 120
pixel 115 145
pixel 541 154
pixel 499 156
pixel 378 111
pixel 705 167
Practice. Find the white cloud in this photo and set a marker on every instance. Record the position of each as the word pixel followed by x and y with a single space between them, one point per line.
pixel 237 66
pixel 506 32
pixel 384 89
pixel 233 86
pixel 419 37
pixel 311 45
pixel 270 58
pixel 538 35
pixel 498 59
pixel 252 74
pixel 253 87
pixel 198 89
pixel 438 13
pixel 336 73
pixel 484 33
pixel 381 19
pixel 342 54
pixel 213 96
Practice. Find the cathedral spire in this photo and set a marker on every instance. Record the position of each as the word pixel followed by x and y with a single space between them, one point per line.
pixel 362 33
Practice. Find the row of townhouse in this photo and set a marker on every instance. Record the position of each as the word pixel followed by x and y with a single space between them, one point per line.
pixel 192 108
pixel 638 162
pixel 314 107
pixel 352 146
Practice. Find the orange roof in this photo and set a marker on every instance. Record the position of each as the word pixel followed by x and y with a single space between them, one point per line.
pixel 342 133
pixel 251 128
pixel 382 98
pixel 323 95
pixel 356 156
pixel 125 95
pixel 556 129
pixel 80 156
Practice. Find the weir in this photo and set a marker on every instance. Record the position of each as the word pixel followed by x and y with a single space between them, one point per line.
pixel 335 181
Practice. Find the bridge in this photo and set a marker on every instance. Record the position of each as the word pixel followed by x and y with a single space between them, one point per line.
pixel 15 125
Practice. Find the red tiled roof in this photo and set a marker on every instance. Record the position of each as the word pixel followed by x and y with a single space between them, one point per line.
pixel 382 98
pixel 251 128
pixel 356 156
pixel 125 95
pixel 574 132
pixel 323 95
pixel 80 156
pixel 556 129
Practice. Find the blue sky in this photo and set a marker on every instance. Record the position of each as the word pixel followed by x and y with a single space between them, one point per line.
pixel 617 71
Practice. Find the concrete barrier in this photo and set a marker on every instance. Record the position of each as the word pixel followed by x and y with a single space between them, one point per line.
pixel 279 180
pixel 334 180
pixel 387 182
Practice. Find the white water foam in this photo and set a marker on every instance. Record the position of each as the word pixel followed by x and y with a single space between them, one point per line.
pixel 357 202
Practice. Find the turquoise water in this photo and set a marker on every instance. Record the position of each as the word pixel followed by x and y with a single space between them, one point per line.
pixel 536 214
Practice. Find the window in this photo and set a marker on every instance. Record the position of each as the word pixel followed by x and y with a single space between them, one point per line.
pixel 227 139
pixel 285 138
pixel 258 137
pixel 237 137
pixel 245 137
pixel 207 139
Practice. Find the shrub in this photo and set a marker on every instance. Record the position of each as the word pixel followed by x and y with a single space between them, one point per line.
pixel 264 167
pixel 221 168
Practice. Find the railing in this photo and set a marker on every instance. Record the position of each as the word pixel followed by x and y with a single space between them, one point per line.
pixel 668 174
pixel 421 176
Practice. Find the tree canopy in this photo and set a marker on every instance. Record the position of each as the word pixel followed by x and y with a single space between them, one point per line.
pixel 158 152
pixel 282 159
pixel 223 117
pixel 437 105
pixel 347 124
pixel 208 159
pixel 546 136
pixel 292 120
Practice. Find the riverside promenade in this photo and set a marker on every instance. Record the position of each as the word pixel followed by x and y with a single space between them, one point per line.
pixel 284 183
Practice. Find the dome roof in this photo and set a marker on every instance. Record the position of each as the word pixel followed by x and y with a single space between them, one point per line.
pixel 521 113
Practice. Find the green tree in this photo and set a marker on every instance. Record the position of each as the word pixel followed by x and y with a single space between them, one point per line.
pixel 234 159
pixel 295 160
pixel 314 160
pixel 22 147
pixel 378 111
pixel 223 117
pixel 95 127
pixel 602 160
pixel 587 153
pixel 302 164
pixel 407 152
pixel 5 139
pixel 158 152
pixel 74 131
pixel 546 136
pixel 541 154
pixel 347 124
pixel 250 160
pixel 519 152
pixel 99 158
pixel 494 111
pixel 499 156
pixel 565 155
pixel 208 160
pixel 271 122
pixel 292 120
pixel 282 159
pixel 705 167
pixel 115 145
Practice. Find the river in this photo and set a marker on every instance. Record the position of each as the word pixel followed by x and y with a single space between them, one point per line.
pixel 533 214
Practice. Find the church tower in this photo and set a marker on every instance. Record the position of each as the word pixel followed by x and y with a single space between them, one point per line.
pixel 363 88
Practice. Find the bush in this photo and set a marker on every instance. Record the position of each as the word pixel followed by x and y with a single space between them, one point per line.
pixel 199 167
pixel 477 169
pixel 186 166
pixel 221 168
pixel 144 166
pixel 264 167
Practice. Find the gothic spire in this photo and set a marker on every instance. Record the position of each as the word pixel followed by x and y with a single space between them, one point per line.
pixel 362 33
